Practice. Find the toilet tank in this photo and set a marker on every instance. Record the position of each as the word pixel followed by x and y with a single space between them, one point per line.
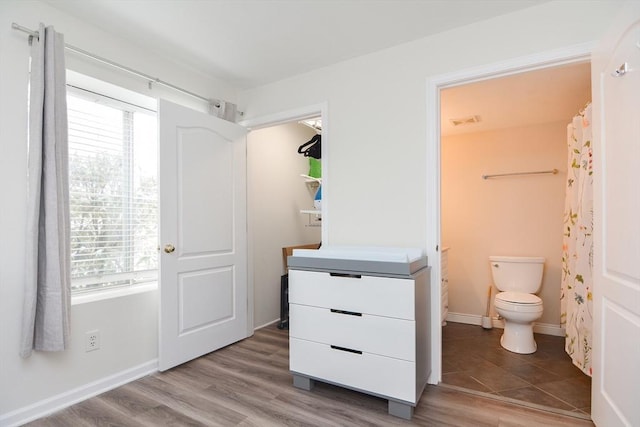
pixel 517 274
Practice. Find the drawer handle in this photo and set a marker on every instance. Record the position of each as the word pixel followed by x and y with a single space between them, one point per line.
pixel 351 276
pixel 348 350
pixel 350 313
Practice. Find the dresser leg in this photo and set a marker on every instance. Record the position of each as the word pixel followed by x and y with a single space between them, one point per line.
pixel 303 382
pixel 401 410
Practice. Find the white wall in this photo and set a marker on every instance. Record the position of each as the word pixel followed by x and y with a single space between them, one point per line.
pixel 376 108
pixel 128 325
pixel 517 216
pixel 276 195
pixel 377 113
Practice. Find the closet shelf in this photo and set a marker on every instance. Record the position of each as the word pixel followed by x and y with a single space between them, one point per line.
pixel 314 219
pixel 314 215
pixel 311 179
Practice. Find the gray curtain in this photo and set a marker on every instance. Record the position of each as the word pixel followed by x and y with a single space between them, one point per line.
pixel 45 324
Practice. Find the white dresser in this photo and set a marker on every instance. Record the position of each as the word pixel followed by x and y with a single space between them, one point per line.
pixel 364 332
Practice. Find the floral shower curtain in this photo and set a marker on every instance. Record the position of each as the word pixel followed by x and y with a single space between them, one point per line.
pixel 577 245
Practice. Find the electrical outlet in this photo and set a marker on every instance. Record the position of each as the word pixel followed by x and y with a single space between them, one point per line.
pixel 92 340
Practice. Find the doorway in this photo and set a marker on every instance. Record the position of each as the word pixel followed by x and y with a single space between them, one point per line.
pixel 467 306
pixel 281 205
pixel 281 209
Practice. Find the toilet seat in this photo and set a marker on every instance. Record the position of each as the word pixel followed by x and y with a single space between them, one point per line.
pixel 518 298
pixel 518 302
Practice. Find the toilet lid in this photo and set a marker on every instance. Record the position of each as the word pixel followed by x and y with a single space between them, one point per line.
pixel 518 297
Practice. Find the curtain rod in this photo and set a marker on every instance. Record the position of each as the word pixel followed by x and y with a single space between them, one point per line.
pixel 212 102
pixel 549 172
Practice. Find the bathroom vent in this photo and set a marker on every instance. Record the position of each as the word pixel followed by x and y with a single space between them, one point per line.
pixel 465 120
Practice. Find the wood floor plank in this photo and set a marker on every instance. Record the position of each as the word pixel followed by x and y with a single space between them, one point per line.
pixel 97 412
pixel 164 416
pixel 182 398
pixel 129 400
pixel 248 384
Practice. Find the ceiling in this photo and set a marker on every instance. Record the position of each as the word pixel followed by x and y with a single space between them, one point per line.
pixel 253 42
pixel 535 97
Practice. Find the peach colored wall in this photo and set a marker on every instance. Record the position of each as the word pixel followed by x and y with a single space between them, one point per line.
pixel 519 216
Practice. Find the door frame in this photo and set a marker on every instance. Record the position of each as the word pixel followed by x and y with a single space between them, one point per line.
pixel 280 118
pixel 549 59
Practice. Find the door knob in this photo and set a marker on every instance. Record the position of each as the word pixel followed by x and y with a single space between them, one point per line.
pixel 169 248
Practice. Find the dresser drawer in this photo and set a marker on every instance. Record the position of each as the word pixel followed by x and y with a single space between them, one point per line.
pixel 384 336
pixel 382 296
pixel 376 374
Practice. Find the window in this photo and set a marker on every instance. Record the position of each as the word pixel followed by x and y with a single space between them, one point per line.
pixel 113 191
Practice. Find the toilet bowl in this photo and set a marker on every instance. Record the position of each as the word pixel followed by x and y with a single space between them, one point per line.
pixel 519 311
pixel 518 279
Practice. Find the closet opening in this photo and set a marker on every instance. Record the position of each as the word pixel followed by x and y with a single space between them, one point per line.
pixel 285 195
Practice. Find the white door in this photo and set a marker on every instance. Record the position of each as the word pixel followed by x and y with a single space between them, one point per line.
pixel 616 334
pixel 203 241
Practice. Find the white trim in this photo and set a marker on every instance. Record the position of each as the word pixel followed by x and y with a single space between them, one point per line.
pixel 296 114
pixel 433 240
pixel 71 397
pixel 110 90
pixel 100 295
pixel 549 329
pixel 475 319
pixel 283 117
pixel 553 58
pixel 467 319
pixel 266 324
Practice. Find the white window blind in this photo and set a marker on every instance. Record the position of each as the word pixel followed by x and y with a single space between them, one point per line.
pixel 113 192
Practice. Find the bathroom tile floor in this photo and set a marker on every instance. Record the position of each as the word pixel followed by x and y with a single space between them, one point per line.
pixel 472 358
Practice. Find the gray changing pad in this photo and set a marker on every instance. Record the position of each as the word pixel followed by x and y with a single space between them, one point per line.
pixel 373 261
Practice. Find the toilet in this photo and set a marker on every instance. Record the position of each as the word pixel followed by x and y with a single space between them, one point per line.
pixel 518 279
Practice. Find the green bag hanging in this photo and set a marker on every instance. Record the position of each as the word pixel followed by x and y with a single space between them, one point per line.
pixel 315 168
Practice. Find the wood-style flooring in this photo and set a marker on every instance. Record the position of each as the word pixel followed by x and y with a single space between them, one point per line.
pixel 249 384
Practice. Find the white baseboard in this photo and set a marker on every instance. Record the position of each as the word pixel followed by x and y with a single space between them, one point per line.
pixel 549 329
pixel 68 398
pixel 266 324
pixel 468 319
pixel 474 319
